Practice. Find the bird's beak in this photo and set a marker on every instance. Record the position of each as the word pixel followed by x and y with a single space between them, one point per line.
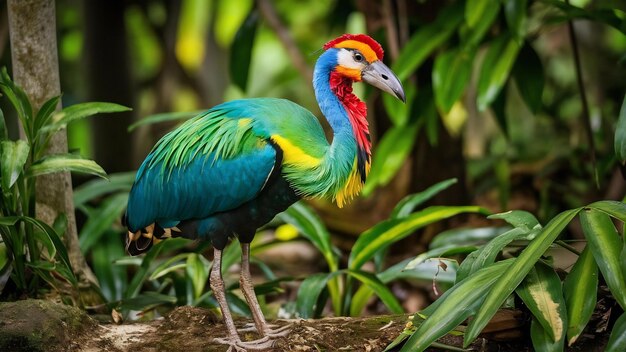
pixel 381 76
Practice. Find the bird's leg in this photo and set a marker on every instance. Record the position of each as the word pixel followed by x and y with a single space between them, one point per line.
pixel 233 340
pixel 247 288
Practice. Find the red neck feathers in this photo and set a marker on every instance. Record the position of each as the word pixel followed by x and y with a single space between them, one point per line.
pixel 357 112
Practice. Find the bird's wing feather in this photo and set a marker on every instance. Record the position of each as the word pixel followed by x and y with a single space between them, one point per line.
pixel 212 163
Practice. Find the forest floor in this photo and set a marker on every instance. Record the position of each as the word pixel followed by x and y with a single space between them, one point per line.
pixel 39 325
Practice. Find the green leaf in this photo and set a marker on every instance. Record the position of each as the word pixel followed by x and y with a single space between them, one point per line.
pixel 455 306
pixel 385 233
pixel 439 252
pixel 484 13
pixel 518 218
pixel 499 110
pixel 64 162
pixel 18 99
pixel 385 295
pixel 400 114
pixel 607 16
pixel 112 278
pixel 241 49
pixel 427 39
pixel 507 282
pixel 542 340
pixel 309 292
pixel 13 157
pixel 580 289
pixel 390 155
pixel 174 263
pixel 489 252
pixel 165 117
pixel 451 74
pixel 45 112
pixel 528 75
pixel 312 228
pixel 463 236
pixel 144 270
pixel 197 270
pixel 101 221
pixel 474 10
pixel 4 134
pixel 542 294
pixel 495 69
pixel 80 111
pixel 613 208
pixel 606 245
pixel 147 301
pixel 515 15
pixel 118 182
pixel 412 201
pixel 620 134
pixel 617 340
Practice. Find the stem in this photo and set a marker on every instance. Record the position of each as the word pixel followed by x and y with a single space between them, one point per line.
pixel 586 119
pixel 568 247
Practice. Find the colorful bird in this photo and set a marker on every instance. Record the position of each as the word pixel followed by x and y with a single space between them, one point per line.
pixel 230 170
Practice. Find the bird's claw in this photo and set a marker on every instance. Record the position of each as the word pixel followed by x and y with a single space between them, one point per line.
pixel 236 345
pixel 271 331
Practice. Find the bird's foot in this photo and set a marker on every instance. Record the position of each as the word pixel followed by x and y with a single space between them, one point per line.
pixel 271 331
pixel 236 345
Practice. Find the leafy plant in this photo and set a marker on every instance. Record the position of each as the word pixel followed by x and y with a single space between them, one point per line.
pixel 560 310
pixel 346 297
pixel 34 249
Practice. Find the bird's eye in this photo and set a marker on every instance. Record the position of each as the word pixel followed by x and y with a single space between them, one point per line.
pixel 358 57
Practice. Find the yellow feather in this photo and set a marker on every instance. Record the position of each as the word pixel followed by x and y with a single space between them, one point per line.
pixel 293 155
pixel 353 185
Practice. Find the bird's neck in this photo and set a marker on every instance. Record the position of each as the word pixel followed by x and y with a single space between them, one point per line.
pixel 350 150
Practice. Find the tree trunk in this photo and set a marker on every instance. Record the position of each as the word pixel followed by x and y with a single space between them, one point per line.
pixel 32 27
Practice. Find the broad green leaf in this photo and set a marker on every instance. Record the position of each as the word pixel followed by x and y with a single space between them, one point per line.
pixel 412 201
pixel 45 112
pixel 165 117
pixel 496 68
pixel 46 242
pixel 485 14
pixel 451 74
pixel 13 156
pixel 620 134
pixel 390 155
pixel 144 270
pixel 463 236
pixel 617 340
pixel 119 182
pixel 580 290
pixel 541 292
pixel 455 306
pixel 112 278
pixel 542 341
pixel 489 252
pixel 19 100
pixel 385 295
pixel 241 49
pixel 198 271
pixel 606 245
pixel 64 162
pixel 101 221
pixel 427 39
pixel 507 282
pixel 517 218
pixel 80 111
pixel 309 292
pixel 613 208
pixel 385 233
pixel 474 10
pixel 528 75
pixel 174 263
pixel 439 252
pixel 515 14
pixel 4 134
pixel 607 16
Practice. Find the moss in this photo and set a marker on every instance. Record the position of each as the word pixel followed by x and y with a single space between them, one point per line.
pixel 37 325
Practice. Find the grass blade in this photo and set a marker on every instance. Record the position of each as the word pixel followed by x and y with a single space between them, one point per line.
pixel 617 340
pixel 65 162
pixel 13 156
pixel 410 202
pixel 309 292
pixel 580 290
pixel 385 295
pixel 542 340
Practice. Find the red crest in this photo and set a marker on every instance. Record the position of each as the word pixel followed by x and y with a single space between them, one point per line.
pixel 365 39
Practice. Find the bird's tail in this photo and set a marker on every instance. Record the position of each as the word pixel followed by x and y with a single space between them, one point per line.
pixel 141 241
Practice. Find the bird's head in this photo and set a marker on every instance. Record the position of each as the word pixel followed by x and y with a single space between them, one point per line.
pixel 359 58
